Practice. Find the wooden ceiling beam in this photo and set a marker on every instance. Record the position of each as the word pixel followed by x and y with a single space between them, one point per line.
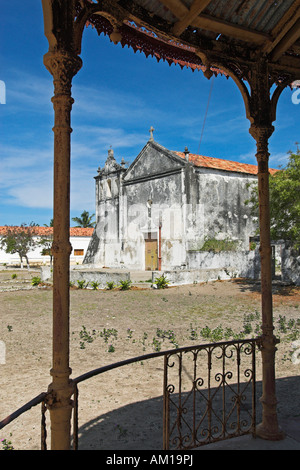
pixel 176 7
pixel 228 29
pixel 287 41
pixel 215 25
pixel 283 27
pixel 196 8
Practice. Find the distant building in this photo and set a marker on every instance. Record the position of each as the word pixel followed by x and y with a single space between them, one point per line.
pixel 79 239
pixel 156 214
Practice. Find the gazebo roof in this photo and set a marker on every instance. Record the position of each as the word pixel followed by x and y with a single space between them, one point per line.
pixel 204 34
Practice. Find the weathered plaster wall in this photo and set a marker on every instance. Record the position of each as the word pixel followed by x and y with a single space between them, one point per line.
pixel 149 204
pixel 232 263
pixel 223 196
pixel 290 265
pixel 159 189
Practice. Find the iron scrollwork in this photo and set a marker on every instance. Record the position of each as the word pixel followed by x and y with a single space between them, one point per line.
pixel 210 395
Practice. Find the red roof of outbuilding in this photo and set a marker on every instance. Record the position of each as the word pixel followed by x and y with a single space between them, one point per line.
pixel 44 231
pixel 220 164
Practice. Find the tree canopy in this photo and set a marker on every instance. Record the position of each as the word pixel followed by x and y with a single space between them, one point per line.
pixel 19 240
pixel 85 220
pixel 284 201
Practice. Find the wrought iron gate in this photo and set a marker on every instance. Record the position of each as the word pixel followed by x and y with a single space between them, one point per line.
pixel 209 394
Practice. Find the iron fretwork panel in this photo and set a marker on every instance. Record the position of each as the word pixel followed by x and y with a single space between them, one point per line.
pixel 209 394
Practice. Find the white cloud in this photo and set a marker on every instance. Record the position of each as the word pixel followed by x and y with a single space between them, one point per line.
pixel 30 92
pixel 105 103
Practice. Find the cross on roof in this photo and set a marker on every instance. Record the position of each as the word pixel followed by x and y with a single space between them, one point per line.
pixel 151 133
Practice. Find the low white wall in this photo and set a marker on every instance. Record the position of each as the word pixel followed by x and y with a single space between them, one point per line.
pixel 89 275
pixel 232 263
pixel 191 276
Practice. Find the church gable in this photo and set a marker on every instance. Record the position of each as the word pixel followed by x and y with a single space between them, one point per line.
pixel 154 159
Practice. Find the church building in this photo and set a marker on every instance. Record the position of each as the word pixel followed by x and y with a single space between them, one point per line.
pixel 157 213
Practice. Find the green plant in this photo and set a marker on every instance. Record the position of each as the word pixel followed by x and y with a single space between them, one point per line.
pixel 193 333
pixel 247 328
pixel 125 285
pixel 14 276
pixel 86 337
pixel 9 327
pixel 6 445
pixel 205 332
pixel 216 246
pixel 161 282
pixel 228 333
pixel 111 348
pixel 156 344
pixel 107 333
pixel 110 285
pixel 145 336
pixel 168 334
pixel 282 324
pixel 129 333
pixel 95 285
pixel 217 333
pixel 82 284
pixel 35 281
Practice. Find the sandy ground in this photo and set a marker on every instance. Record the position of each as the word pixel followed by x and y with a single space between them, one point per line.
pixel 122 409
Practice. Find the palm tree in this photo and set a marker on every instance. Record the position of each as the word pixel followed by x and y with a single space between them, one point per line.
pixel 50 225
pixel 85 220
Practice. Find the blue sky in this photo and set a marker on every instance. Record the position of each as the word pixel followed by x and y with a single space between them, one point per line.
pixel 118 96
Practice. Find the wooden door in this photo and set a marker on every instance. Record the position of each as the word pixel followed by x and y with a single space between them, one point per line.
pixel 151 258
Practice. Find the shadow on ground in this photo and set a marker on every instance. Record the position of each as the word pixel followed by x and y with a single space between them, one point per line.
pixel 139 426
pixel 278 287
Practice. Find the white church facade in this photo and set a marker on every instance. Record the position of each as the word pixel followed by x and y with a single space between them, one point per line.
pixel 157 213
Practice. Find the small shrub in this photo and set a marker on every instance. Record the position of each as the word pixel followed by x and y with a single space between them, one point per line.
pixel 110 285
pixel 35 281
pixel 14 276
pixel 107 333
pixel 282 324
pixel 86 337
pixel 129 333
pixel 217 334
pixel 6 445
pixel 82 284
pixel 125 285
pixel 205 332
pixel 156 344
pixel 193 333
pixel 95 285
pixel 161 282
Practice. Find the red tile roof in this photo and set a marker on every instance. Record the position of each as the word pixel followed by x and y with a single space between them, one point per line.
pixel 43 231
pixel 219 164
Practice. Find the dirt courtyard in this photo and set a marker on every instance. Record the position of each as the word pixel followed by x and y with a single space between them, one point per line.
pixel 122 408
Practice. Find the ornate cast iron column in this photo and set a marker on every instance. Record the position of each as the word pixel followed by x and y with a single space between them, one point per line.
pixel 63 62
pixel 63 66
pixel 269 428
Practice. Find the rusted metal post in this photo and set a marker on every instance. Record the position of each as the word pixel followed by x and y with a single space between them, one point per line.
pixel 63 66
pixel 269 428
